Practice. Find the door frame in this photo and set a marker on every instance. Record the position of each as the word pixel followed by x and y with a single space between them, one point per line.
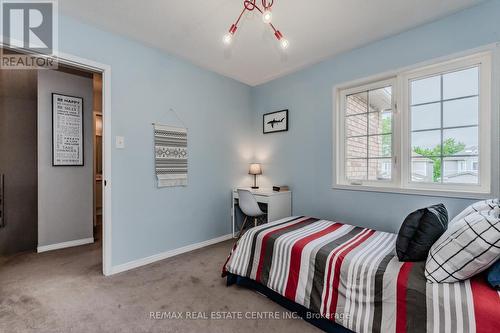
pixel 105 71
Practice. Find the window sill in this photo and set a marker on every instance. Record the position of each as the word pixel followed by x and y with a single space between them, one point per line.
pixel 413 191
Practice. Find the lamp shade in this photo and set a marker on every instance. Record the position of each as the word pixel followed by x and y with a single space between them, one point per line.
pixel 255 169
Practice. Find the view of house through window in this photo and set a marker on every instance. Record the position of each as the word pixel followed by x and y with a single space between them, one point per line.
pixel 444 125
pixel 368 125
pixel 438 138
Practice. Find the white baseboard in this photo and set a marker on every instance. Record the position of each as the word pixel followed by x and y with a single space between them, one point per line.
pixel 63 245
pixel 164 255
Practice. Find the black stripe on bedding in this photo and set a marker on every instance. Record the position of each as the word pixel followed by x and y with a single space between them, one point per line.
pixel 254 240
pixel 416 318
pixel 378 293
pixel 268 255
pixel 320 267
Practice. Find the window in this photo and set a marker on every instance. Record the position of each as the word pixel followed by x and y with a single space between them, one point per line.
pixel 368 133
pixel 427 129
pixel 444 125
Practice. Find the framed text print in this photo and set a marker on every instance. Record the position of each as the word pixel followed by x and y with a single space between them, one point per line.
pixel 67 130
pixel 275 122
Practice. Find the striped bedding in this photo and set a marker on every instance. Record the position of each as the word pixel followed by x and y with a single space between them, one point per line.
pixel 352 276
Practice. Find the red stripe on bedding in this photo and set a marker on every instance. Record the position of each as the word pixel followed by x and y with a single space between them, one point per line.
pixel 329 268
pixel 338 266
pixel 264 243
pixel 224 268
pixel 296 257
pixel 401 288
pixel 486 305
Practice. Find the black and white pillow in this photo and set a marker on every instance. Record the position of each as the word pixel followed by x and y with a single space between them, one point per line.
pixel 468 247
pixel 480 206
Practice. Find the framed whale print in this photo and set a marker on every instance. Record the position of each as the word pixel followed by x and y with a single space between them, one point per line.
pixel 275 122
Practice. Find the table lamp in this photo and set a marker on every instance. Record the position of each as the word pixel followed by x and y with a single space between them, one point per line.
pixel 255 169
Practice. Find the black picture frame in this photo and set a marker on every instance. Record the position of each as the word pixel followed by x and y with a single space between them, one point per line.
pixel 286 118
pixel 82 131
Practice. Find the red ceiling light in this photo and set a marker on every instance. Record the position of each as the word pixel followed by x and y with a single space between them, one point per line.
pixel 267 16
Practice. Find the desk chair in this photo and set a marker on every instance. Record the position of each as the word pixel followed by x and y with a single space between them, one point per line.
pixel 249 207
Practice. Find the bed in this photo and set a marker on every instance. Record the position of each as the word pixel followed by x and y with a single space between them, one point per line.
pixel 351 277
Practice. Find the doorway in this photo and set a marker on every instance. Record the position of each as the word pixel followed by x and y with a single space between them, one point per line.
pixel 98 154
pixel 100 166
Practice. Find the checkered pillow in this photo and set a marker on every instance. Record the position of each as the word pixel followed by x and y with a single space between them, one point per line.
pixel 480 206
pixel 468 247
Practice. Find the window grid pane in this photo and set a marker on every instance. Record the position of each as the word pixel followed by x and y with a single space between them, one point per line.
pixel 357 103
pixel 454 159
pixel 368 139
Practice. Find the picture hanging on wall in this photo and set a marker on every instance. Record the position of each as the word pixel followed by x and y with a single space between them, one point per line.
pixel 171 155
pixel 67 130
pixel 275 122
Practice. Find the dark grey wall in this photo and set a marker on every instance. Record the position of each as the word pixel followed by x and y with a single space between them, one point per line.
pixel 18 116
pixel 65 209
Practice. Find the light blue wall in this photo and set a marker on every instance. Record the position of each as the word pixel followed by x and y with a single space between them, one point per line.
pixel 224 119
pixel 302 157
pixel 145 84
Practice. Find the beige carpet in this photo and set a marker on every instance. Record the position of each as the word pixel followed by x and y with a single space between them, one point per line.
pixel 64 291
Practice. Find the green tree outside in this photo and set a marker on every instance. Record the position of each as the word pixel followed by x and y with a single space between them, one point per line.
pixel 450 147
pixel 386 139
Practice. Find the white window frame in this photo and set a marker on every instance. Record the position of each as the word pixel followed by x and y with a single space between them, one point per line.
pixel 341 131
pixel 485 70
pixel 401 182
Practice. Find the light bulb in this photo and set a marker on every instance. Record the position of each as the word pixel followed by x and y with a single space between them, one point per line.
pixel 267 16
pixel 284 43
pixel 227 39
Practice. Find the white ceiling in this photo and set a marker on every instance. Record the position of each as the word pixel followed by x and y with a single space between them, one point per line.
pixel 316 29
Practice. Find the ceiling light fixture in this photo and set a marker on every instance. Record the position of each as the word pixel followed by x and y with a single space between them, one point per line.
pixel 267 16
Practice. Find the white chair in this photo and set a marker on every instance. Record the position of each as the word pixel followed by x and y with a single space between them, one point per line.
pixel 249 207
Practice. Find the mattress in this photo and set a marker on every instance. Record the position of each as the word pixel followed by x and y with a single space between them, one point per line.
pixel 351 275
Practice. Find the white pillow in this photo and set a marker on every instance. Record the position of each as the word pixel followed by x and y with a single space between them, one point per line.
pixel 469 246
pixel 480 206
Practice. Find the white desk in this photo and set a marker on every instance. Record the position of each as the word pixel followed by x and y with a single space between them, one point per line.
pixel 279 204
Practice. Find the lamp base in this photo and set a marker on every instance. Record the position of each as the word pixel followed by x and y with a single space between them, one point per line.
pixel 254 187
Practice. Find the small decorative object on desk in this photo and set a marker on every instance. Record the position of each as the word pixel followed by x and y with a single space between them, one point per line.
pixel 275 122
pixel 281 188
